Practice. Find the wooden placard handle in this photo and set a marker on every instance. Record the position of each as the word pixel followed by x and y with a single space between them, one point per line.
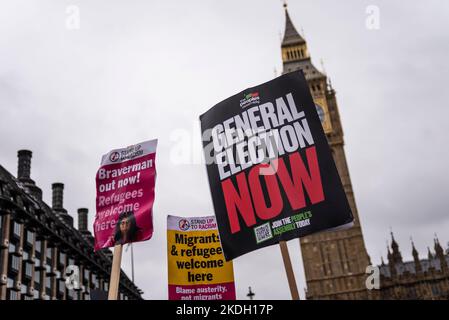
pixel 115 272
pixel 289 270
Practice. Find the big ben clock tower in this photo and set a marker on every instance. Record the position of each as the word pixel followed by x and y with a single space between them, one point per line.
pixel 334 262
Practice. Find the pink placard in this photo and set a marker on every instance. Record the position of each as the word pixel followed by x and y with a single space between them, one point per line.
pixel 125 195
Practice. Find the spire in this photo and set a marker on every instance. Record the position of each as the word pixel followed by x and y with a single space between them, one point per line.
pixel 415 254
pixel 394 244
pixel 397 257
pixel 388 252
pixel 414 251
pixel 391 263
pixel 323 69
pixel 291 36
pixel 389 256
pixel 437 247
pixel 329 84
pixel 295 55
pixel 429 254
pixel 439 253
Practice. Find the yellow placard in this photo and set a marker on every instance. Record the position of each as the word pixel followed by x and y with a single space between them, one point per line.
pixel 196 257
pixel 197 268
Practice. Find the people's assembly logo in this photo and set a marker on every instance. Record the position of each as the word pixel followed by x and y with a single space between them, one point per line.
pixel 114 156
pixel 184 224
pixel 250 99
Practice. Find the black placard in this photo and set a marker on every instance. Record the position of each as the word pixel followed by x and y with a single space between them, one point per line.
pixel 271 172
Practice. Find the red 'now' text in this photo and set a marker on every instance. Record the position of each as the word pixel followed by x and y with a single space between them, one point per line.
pixel 295 183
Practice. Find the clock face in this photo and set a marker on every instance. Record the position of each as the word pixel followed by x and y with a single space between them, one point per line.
pixel 320 111
pixel 323 113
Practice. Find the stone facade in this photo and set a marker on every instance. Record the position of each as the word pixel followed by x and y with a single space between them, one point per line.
pixel 418 279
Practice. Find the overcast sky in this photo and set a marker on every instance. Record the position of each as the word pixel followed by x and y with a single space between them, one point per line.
pixel 137 70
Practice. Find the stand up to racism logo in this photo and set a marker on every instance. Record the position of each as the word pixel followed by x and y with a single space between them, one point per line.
pixel 197 269
pixel 125 195
pixel 270 168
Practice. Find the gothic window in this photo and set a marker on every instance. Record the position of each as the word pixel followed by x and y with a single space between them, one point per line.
pixel 435 289
pixel 412 293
